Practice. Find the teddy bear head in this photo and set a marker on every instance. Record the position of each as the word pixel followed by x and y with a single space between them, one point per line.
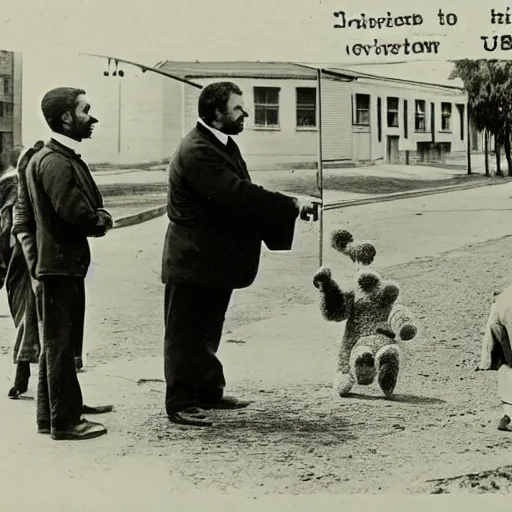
pixel 361 253
pixel 376 300
pixel 372 293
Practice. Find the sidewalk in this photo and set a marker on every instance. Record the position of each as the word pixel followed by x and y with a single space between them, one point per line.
pixel 133 181
pixel 137 176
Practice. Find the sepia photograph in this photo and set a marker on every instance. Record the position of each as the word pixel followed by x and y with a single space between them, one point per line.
pixel 256 277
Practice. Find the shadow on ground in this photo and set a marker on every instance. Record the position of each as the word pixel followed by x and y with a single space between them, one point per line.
pixel 300 428
pixel 403 399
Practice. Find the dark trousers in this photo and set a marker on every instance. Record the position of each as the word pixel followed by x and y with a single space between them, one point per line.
pixel 59 397
pixel 22 377
pixel 194 318
pixel 27 345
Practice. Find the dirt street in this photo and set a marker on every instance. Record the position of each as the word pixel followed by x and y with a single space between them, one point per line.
pixel 296 437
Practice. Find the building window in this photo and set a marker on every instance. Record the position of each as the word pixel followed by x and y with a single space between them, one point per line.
pixel 406 124
pixel 462 120
pixel 306 107
pixel 446 117
pixel 5 109
pixel 392 112
pixel 266 106
pixel 5 85
pixel 433 122
pixel 379 119
pixel 362 109
pixel 419 116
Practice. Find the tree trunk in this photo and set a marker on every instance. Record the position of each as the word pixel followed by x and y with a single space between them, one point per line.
pixel 497 150
pixel 468 138
pixel 506 144
pixel 486 152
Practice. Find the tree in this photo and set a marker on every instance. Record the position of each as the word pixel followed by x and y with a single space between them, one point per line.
pixel 501 97
pixel 488 84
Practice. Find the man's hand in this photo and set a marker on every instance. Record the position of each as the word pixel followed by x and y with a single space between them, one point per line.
pixel 105 219
pixel 308 210
pixel 37 289
pixel 105 223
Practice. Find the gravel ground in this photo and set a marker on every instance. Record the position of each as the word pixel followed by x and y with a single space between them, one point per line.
pixel 296 437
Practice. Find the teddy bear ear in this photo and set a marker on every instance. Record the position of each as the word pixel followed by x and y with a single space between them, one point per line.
pixel 364 253
pixel 368 281
pixel 340 239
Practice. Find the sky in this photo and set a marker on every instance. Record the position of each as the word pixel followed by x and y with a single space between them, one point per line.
pixel 52 33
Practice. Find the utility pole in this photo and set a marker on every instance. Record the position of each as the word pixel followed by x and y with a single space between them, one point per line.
pixel 119 103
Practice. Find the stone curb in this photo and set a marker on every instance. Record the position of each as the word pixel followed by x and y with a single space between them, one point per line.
pixel 138 218
pixel 129 189
pixel 406 195
pixel 158 211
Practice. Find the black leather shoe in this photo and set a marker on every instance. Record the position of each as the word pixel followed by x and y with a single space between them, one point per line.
pixel 98 409
pixel 14 394
pixel 192 416
pixel 84 429
pixel 505 424
pixel 79 365
pixel 227 402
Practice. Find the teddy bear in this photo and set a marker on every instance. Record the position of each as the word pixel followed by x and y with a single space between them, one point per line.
pixel 375 322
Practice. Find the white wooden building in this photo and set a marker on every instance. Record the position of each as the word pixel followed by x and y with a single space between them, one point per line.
pixel 366 117
pixel 379 115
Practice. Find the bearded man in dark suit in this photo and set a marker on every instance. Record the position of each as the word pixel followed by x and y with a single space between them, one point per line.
pixel 218 220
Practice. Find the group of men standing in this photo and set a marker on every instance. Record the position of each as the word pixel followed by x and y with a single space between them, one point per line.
pixel 218 220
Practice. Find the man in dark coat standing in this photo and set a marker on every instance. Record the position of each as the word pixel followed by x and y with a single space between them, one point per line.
pixel 66 208
pixel 217 221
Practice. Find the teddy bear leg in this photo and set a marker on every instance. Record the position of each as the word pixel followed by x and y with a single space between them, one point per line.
pixel 362 365
pixel 388 363
pixel 343 383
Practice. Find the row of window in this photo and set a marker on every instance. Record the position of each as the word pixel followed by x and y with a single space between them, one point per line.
pixel 266 107
pixel 362 113
pixel 266 110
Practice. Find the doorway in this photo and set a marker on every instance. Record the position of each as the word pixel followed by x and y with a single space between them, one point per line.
pixel 393 154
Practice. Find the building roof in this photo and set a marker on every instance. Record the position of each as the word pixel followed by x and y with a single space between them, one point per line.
pixel 427 72
pixel 238 69
pixel 422 73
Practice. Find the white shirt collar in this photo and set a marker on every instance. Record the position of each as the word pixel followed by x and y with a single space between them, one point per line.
pixel 66 141
pixel 221 136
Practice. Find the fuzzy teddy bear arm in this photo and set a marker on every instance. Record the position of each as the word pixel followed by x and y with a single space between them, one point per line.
pixel 403 323
pixel 335 304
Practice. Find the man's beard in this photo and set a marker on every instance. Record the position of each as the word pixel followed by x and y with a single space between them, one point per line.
pixel 230 127
pixel 83 130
